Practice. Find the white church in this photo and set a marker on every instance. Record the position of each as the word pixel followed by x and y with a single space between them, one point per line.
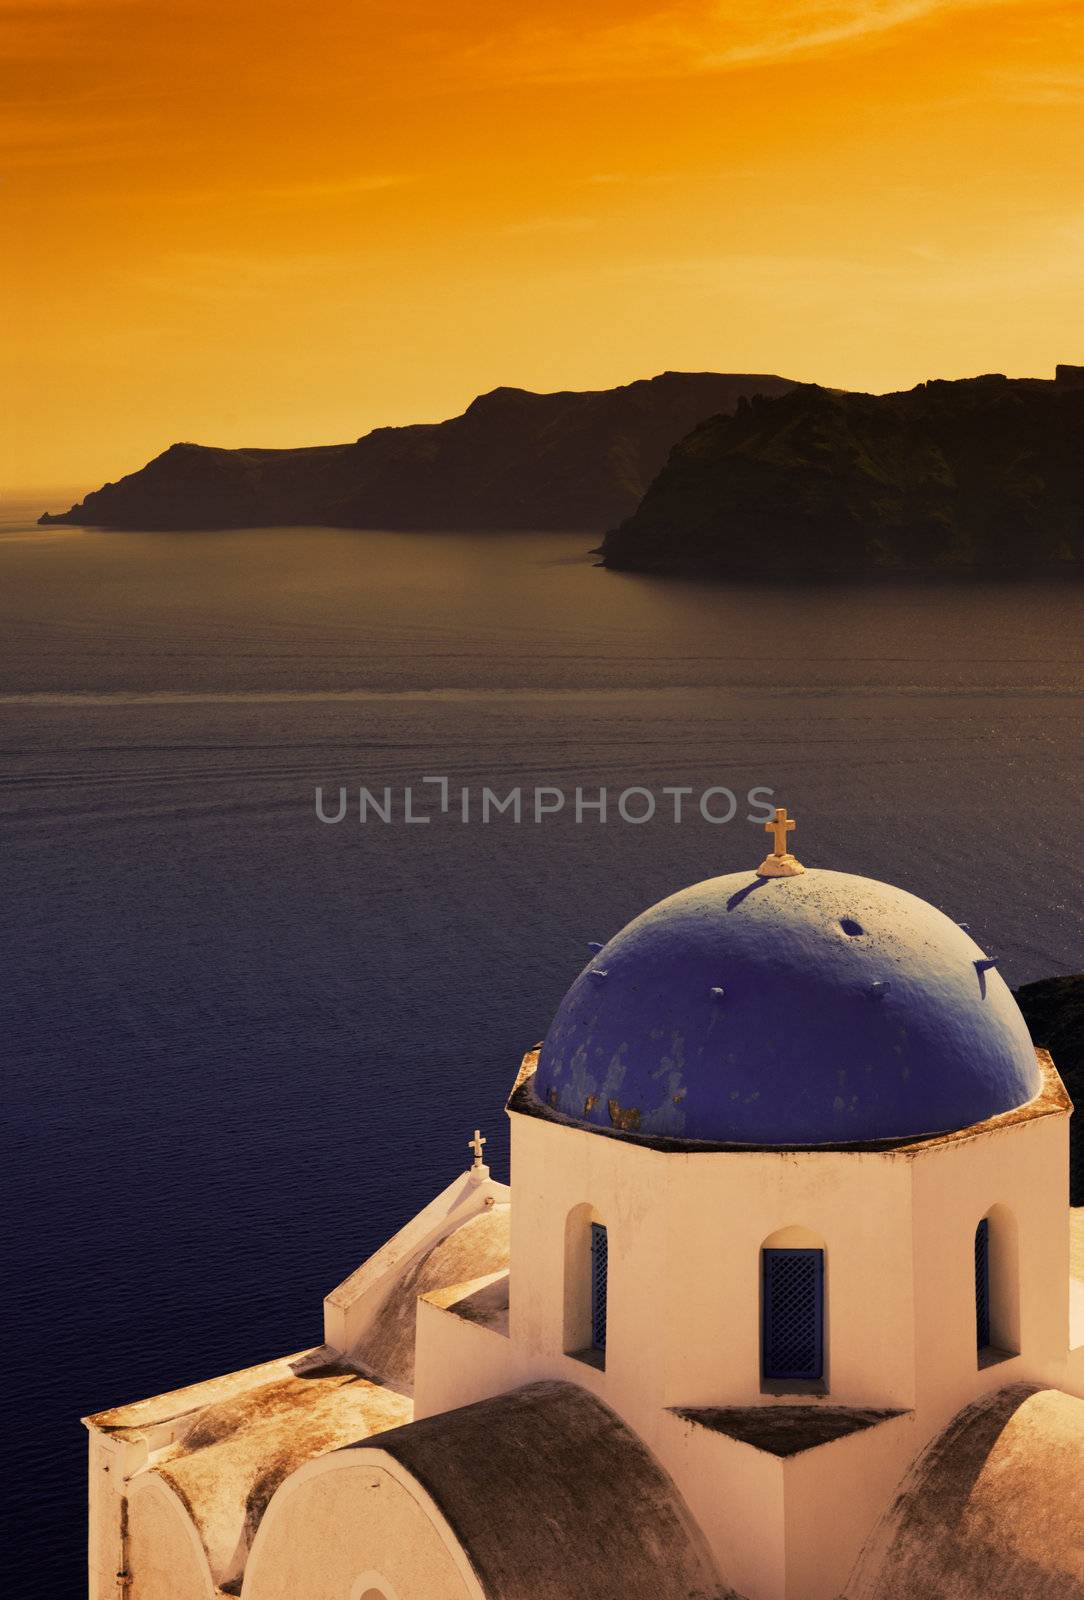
pixel 777 1306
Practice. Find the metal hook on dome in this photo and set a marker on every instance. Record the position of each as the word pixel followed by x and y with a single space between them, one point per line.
pixel 982 967
pixel 879 989
pixel 718 993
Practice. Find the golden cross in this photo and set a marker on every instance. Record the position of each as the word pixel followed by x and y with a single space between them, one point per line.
pixel 476 1144
pixel 779 828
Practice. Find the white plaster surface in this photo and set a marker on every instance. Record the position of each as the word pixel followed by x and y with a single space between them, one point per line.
pixel 244 1481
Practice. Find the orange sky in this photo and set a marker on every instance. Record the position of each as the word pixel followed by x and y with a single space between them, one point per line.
pixel 260 222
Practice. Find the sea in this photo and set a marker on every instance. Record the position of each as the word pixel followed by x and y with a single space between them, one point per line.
pixel 241 1045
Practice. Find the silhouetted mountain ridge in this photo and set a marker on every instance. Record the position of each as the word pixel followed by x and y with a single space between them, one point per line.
pixel 513 459
pixel 980 475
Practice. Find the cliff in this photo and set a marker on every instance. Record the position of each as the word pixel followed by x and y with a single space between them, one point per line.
pixel 512 460
pixel 983 475
pixel 1054 1012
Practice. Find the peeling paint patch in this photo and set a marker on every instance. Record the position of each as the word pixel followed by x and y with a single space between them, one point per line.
pixel 1051 1101
pixel 798 964
pixel 625 1118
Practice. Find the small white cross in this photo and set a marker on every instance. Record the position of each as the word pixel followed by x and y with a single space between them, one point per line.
pixel 476 1144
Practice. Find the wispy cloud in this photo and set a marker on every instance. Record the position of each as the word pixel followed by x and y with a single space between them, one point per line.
pixel 321 192
pixel 33 135
pixel 699 38
pixel 43 30
pixel 207 275
pixel 32 10
pixel 614 180
pixel 347 187
pixel 919 276
pixel 822 25
pixel 1061 88
pixel 536 225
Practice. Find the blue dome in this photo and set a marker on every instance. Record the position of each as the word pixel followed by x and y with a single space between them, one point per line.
pixel 809 1010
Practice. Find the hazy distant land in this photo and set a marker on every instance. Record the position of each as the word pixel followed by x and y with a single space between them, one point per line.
pixel 728 475
pixel 576 462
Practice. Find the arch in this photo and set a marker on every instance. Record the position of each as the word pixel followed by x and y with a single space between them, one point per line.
pixel 464 1504
pixel 165 1553
pixel 997 1284
pixel 360 1522
pixel 793 1318
pixel 793 1237
pixel 586 1280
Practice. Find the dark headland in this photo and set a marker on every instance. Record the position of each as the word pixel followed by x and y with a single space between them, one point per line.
pixel 1054 1011
pixel 699 474
pixel 513 460
pixel 979 476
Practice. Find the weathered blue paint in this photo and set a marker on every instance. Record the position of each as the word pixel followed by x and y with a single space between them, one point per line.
pixel 795 1053
pixel 792 1314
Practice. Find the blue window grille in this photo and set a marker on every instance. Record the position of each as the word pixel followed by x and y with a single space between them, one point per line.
pixel 982 1283
pixel 598 1286
pixel 792 1314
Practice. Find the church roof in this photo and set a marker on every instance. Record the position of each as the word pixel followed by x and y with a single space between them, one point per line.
pixel 552 1496
pixel 476 1250
pixel 814 1009
pixel 991 1510
pixel 224 1446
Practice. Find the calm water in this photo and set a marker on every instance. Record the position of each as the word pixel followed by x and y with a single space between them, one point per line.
pixel 240 1046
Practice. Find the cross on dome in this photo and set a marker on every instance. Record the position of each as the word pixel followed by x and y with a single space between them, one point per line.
pixel 779 827
pixel 780 864
pixel 476 1145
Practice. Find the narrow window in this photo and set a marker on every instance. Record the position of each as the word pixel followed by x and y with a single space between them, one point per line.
pixel 598 1286
pixel 982 1283
pixel 792 1314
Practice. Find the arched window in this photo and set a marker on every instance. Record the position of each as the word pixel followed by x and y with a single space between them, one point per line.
pixel 586 1285
pixel 599 1266
pixel 792 1308
pixel 982 1284
pixel 997 1286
